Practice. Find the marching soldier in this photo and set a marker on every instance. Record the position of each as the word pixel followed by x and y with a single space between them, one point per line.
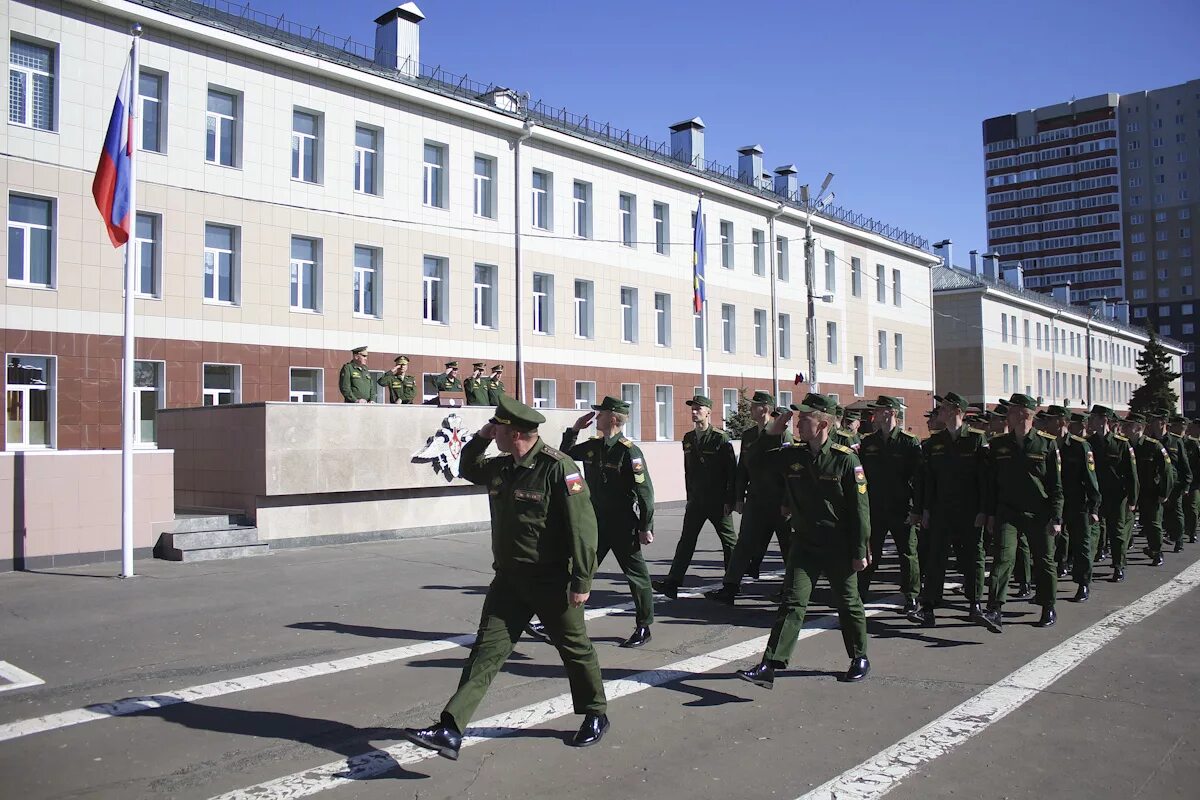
pixel 354 380
pixel 448 381
pixel 402 387
pixel 892 459
pixel 845 430
pixel 1117 475
pixel 495 384
pixel 544 550
pixel 1081 501
pixel 708 471
pixel 933 424
pixel 1177 451
pixel 1156 479
pixel 623 498
pixel 475 388
pixel 1191 501
pixel 826 493
pixel 1024 495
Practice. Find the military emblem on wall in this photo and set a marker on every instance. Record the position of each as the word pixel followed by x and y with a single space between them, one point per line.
pixel 444 448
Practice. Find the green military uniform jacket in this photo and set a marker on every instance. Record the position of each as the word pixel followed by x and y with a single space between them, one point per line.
pixel 1081 489
pixel 752 480
pixel 401 388
pixel 476 390
pixel 919 479
pixel 355 383
pixel 1116 469
pixel 1176 448
pixel 617 478
pixel 892 462
pixel 708 466
pixel 1025 477
pixel 1156 478
pixel 1192 446
pixel 956 472
pixel 495 390
pixel 445 383
pixel 543 525
pixel 846 438
pixel 827 494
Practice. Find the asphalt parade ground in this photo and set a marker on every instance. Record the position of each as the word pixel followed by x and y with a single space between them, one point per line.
pixel 290 675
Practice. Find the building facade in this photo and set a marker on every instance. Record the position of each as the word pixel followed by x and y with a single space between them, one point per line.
pixel 297 199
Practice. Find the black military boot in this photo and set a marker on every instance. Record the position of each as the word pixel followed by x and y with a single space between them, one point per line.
pixel 859 668
pixel 762 675
pixel 910 605
pixel 1081 594
pixel 537 630
pixel 726 595
pixel 1047 619
pixel 1023 592
pixel 666 587
pixel 976 612
pixel 1179 545
pixel 591 731
pixel 991 620
pixel 641 635
pixel 1118 575
pixel 442 738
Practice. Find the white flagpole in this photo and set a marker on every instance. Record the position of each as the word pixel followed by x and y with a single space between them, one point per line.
pixel 128 410
pixel 701 255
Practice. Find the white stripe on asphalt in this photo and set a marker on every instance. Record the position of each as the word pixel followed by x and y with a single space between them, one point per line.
pixel 207 691
pixel 377 762
pixel 879 775
pixel 14 677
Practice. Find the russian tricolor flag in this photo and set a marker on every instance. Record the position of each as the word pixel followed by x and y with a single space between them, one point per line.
pixel 111 186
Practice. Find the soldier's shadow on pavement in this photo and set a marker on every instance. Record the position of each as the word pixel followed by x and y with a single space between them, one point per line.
pixel 463 589
pixel 878 629
pixel 372 631
pixel 345 740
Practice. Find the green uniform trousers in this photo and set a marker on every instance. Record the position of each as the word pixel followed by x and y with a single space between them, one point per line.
pixel 1150 518
pixel 804 567
pixel 510 603
pixel 955 533
pixel 621 538
pixel 695 514
pixel 1080 535
pixel 760 520
pixel 1173 516
pixel 1118 529
pixel 905 538
pixel 1010 525
pixel 1191 513
pixel 1022 563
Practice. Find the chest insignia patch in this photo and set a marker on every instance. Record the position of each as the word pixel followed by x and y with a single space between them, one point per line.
pixel 528 495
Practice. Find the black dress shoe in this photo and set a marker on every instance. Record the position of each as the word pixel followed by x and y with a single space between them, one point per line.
pixel 666 587
pixel 762 675
pixel 910 605
pixel 591 731
pixel 442 738
pixel 1023 592
pixel 1118 575
pixel 753 573
pixel 1156 560
pixel 537 630
pixel 990 619
pixel 1047 619
pixel 1063 572
pixel 976 612
pixel 1100 556
pixel 641 635
pixel 726 595
pixel 859 669
pixel 1178 545
pixel 1081 594
pixel 1191 538
pixel 917 616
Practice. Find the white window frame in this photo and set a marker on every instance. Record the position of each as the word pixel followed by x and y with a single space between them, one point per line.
pixel 585 395
pixel 725 230
pixel 485 296
pixel 485 186
pixel 662 319
pixel 306 147
pixel 782 271
pixel 897 292
pixel 585 309
pixel 435 290
pixel 154 246
pixel 305 271
pixel 581 219
pixel 728 328
pixel 212 257
pixel 542 298
pixel 784 324
pixel 662 229
pixel 831 342
pixel 627 210
pixel 758 241
pixel 729 404
pixel 434 180
pixel 216 123
pixel 631 393
pixel 235 392
pixel 50 384
pixel 664 412
pixel 882 354
pixel 159 103
pixel 830 271
pixel 628 299
pixel 28 75
pixel 159 392
pixel 364 274
pixel 367 161
pixel 27 228
pixel 697 331
pixel 542 198
pixel 785 398
pixel 299 396
pixel 859 376
pixel 880 283
pixel 856 277
pixel 898 352
pixel 760 331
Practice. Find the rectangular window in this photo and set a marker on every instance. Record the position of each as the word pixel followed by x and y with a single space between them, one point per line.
pixel 582 218
pixel 222 384
pixel 585 294
pixel 897 294
pixel 541 198
pixel 859 377
pixel 433 175
pixel 31 85
pixel 221 129
pixel 306 385
pixel 485 296
pixel 898 352
pixel 434 290
pixel 785 398
pixel 366 159
pixel 830 271
pixel 543 303
pixel 781 258
pixel 544 391
pixel 306 151
pixel 1004 372
pixel 726 229
pixel 883 349
pixel 698 326
pixel 662 319
pixel 760 332
pixel 628 208
pixel 152 96
pixel 1004 327
pixel 785 336
pixel 150 394
pixel 366 281
pixel 585 395
pixel 1026 333
pixel 306 274
pixel 632 393
pixel 728 328
pixel 880 283
pixel 759 243
pixel 856 277
pixel 629 320
pixel 662 229
pixel 220 264
pixel 831 342
pixel 147 266
pixel 485 186
pixel 664 413
pixel 29 401
pixel 30 240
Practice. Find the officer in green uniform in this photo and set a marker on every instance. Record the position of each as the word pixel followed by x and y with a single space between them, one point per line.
pixel 891 457
pixel 826 492
pixel 845 430
pixel 1176 449
pixel 757 498
pixel 476 387
pixel 1156 479
pixel 495 384
pixel 623 497
pixel 1117 474
pixel 544 553
pixel 708 474
pixel 402 387
pixel 953 509
pixel 354 380
pixel 1024 494
pixel 997 425
pixel 933 424
pixel 448 382
pixel 1191 500
pixel 1081 501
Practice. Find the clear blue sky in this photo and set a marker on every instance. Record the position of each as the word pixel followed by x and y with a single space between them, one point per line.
pixel 890 96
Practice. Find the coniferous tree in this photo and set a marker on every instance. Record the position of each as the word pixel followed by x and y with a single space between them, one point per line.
pixel 740 420
pixel 1154 365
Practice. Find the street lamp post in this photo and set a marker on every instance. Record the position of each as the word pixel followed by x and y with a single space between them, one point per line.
pixel 820 201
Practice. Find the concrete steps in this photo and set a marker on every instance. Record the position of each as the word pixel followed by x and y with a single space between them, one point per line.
pixel 209 535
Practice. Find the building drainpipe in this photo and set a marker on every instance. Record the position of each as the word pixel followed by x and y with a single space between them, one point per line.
pixel 770 248
pixel 517 321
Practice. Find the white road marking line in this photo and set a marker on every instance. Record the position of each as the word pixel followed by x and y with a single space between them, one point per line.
pixel 16 678
pixel 879 775
pixel 377 762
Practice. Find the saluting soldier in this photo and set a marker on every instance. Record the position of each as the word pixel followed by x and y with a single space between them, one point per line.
pixel 448 381
pixel 476 387
pixel 495 384
pixel 544 553
pixel 1156 479
pixel 891 457
pixel 708 472
pixel 1177 452
pixel 1081 501
pixel 825 488
pixel 354 380
pixel 1191 501
pixel 1117 474
pixel 1024 494
pixel 955 472
pixel 757 498
pixel 623 498
pixel 402 387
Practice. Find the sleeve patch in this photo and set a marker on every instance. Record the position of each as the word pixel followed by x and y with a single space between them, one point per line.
pixel 859 475
pixel 638 465
pixel 574 483
pixel 1091 461
pixel 639 478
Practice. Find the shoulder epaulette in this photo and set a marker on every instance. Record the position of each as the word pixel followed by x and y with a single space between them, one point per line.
pixel 626 442
pixel 842 448
pixel 1120 438
pixel 911 435
pixel 1078 438
pixel 550 451
pixel 1152 440
pixel 976 430
pixel 1049 436
pixel 596 436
